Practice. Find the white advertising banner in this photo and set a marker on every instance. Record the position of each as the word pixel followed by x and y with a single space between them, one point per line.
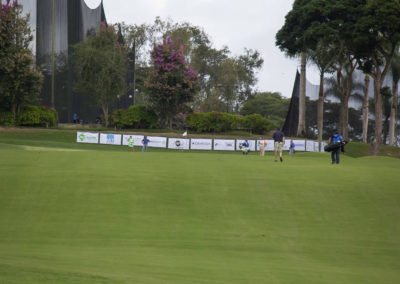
pixel 137 139
pixel 201 144
pixel 299 145
pixel 270 145
pixel 110 139
pixel 178 143
pixel 311 146
pixel 286 145
pixel 224 145
pixel 87 137
pixel 252 144
pixel 157 142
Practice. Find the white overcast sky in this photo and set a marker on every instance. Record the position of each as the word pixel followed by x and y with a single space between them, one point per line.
pixel 237 24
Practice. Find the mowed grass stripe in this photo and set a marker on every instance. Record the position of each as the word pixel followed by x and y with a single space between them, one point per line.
pixel 181 217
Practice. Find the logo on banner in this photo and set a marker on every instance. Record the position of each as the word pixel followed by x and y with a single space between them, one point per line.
pixel 110 138
pixel 177 143
pixel 82 137
pixel 200 143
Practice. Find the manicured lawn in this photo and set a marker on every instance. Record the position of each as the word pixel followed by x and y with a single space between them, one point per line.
pixel 99 214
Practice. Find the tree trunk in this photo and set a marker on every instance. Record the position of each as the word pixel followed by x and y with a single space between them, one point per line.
pixel 105 114
pixel 393 114
pixel 344 108
pixel 320 110
pixel 365 110
pixel 301 127
pixel 378 111
pixel 345 103
pixel 14 113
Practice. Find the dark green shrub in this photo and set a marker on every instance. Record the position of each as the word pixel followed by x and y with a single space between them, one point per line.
pixel 6 118
pixel 49 117
pixel 117 118
pixel 38 116
pixel 257 123
pixel 213 121
pixel 222 122
pixel 136 116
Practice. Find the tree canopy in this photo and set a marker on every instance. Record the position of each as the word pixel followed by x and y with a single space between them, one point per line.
pixel 172 82
pixel 100 66
pixel 20 81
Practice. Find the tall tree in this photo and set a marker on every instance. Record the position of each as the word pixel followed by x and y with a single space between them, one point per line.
pixel 172 82
pixel 291 40
pixel 20 81
pixel 395 71
pixel 135 39
pixel 322 56
pixel 379 35
pixel 271 105
pixel 100 67
pixel 365 109
pixel 248 64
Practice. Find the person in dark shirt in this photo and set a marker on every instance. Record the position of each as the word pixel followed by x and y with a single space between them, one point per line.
pixel 145 142
pixel 245 147
pixel 335 154
pixel 279 140
pixel 292 148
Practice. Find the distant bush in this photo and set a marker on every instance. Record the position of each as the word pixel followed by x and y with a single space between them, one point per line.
pixel 257 123
pixel 136 116
pixel 212 121
pixel 6 118
pixel 38 116
pixel 222 122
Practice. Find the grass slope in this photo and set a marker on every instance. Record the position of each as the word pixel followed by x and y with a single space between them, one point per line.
pixel 101 216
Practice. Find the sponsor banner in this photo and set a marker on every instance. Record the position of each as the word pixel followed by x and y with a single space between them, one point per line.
pixel 157 142
pixel 137 139
pixel 270 145
pixel 201 144
pixel 286 145
pixel 299 145
pixel 311 146
pixel 224 145
pixel 87 137
pixel 110 138
pixel 252 144
pixel 178 143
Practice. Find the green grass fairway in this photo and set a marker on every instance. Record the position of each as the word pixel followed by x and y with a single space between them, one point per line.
pixel 74 213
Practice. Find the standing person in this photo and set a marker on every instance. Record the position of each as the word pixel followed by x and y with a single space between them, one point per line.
pixel 262 145
pixel 292 148
pixel 75 118
pixel 130 142
pixel 279 139
pixel 335 154
pixel 145 142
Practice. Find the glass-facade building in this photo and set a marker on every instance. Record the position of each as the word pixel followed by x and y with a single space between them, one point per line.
pixel 56 26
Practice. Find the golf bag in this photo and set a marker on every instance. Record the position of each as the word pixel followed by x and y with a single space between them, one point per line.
pixel 333 146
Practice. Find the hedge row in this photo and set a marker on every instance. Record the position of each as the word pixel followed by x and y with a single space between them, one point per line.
pixel 137 116
pixel 221 122
pixel 38 116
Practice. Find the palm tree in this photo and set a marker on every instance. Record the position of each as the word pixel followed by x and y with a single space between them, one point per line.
pixel 344 88
pixel 395 70
pixel 365 109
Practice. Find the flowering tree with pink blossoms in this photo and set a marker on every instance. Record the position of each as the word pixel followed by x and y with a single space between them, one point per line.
pixel 172 82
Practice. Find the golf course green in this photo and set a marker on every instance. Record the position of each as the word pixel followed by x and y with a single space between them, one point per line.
pixel 72 213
